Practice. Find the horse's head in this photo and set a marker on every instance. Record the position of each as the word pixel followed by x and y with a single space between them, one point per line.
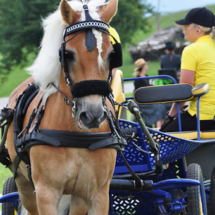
pixel 85 57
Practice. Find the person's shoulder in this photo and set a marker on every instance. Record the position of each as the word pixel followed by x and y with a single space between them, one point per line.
pixel 177 56
pixel 164 56
pixel 114 33
pixel 190 48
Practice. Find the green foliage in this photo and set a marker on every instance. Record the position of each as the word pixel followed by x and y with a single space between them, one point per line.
pixel 18 74
pixel 130 18
pixel 21 30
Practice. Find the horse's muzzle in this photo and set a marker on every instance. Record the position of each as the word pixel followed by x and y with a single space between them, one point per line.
pixel 90 111
pixel 92 119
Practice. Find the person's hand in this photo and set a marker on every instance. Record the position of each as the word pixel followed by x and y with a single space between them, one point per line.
pixel 185 108
pixel 166 122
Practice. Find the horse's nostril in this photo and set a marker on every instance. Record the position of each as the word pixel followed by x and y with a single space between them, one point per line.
pixel 94 119
pixel 104 115
pixel 84 117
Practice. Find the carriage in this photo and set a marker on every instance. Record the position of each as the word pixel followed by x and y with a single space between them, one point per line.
pixel 63 134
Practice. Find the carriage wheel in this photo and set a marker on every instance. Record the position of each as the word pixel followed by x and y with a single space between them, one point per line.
pixel 195 203
pixel 212 193
pixel 9 208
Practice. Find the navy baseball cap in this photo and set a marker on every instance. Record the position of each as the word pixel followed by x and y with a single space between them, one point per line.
pixel 200 16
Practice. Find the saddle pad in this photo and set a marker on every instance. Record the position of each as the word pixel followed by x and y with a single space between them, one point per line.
pixel 163 94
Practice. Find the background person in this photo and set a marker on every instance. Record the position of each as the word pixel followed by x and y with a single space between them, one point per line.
pixel 153 113
pixel 170 60
pixel 197 66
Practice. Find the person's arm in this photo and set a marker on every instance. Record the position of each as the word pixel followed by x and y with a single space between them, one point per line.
pixel 187 76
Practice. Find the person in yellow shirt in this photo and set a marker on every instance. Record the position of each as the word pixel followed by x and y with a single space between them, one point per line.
pixel 197 66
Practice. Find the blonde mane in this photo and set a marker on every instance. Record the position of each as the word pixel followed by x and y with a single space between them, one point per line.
pixel 47 68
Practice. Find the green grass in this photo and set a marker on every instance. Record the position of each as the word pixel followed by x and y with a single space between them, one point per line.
pixel 4 173
pixel 15 78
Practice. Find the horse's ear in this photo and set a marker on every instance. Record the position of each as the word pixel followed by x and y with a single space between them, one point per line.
pixel 110 11
pixel 68 14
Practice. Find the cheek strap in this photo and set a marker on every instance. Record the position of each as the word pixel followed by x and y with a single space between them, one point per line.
pixel 85 88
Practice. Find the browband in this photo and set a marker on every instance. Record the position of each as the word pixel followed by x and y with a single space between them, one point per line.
pixel 86 25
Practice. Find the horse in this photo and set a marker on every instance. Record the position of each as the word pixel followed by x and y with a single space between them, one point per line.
pixel 71 99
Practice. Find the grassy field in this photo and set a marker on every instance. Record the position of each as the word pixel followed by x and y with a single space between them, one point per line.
pixel 4 174
pixel 18 73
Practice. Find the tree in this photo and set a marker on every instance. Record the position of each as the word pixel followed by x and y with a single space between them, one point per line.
pixel 130 18
pixel 21 31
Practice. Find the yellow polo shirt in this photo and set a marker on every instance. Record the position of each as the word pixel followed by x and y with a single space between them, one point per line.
pixel 114 33
pixel 200 57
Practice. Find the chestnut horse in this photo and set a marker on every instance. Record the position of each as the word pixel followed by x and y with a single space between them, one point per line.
pixel 83 174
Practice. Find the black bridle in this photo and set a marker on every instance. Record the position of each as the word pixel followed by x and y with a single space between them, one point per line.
pixel 88 87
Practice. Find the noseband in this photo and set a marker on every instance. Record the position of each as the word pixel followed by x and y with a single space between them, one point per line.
pixel 88 87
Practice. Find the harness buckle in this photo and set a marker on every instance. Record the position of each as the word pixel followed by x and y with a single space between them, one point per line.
pixel 68 82
pixel 68 102
pixel 74 107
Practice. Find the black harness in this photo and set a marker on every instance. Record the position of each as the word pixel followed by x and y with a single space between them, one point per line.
pixel 34 136
pixel 90 43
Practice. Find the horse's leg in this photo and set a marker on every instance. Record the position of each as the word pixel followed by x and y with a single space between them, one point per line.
pixel 26 195
pixel 77 206
pixel 48 198
pixel 99 204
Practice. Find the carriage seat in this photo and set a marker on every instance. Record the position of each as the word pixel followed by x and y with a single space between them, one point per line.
pixel 174 93
pixel 163 94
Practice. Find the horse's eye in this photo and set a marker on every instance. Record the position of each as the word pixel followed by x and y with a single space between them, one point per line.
pixel 70 55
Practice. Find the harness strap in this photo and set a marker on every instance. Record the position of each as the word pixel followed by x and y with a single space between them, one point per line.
pixel 15 165
pixel 134 175
pixel 36 137
pixel 5 158
pixel 30 176
pixel 92 141
pixel 90 41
